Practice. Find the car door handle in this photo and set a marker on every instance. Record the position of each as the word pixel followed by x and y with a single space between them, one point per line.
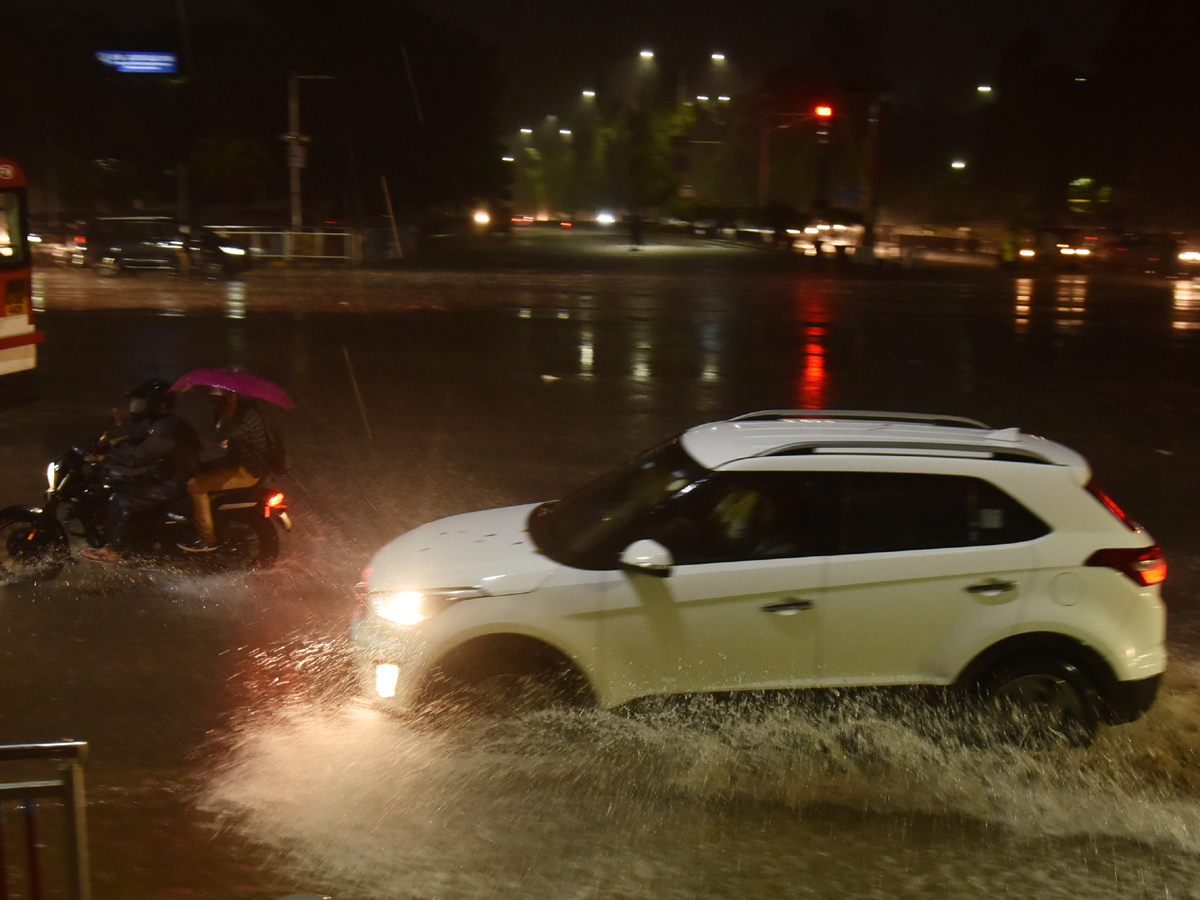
pixel 788 607
pixel 991 588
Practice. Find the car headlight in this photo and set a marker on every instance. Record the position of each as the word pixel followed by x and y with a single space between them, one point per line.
pixel 52 475
pixel 414 607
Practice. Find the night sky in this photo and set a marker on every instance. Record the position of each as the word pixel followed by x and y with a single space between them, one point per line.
pixel 940 50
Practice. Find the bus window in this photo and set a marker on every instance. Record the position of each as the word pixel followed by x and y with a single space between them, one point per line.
pixel 14 248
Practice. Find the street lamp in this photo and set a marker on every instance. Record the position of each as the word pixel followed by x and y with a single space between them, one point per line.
pixel 296 157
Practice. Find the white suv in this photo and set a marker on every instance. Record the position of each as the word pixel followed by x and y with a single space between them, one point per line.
pixel 787 549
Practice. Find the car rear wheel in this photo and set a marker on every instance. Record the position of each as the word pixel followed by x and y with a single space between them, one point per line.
pixel 1038 704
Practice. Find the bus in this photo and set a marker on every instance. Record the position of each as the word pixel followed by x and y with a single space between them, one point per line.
pixel 18 336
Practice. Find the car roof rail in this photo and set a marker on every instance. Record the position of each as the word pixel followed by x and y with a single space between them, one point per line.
pixel 923 448
pixel 862 415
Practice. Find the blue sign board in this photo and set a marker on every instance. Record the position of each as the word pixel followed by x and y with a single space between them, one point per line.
pixel 123 61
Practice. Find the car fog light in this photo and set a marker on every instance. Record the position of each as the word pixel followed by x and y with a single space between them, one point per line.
pixel 386 676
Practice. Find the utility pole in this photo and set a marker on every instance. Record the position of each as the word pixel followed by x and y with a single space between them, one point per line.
pixel 297 156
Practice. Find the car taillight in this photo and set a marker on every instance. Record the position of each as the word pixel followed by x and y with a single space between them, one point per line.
pixel 1145 565
pixel 1111 505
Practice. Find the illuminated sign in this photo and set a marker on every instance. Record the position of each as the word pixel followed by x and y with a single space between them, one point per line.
pixel 155 63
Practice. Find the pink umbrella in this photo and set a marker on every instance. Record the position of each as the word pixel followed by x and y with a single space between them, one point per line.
pixel 237 382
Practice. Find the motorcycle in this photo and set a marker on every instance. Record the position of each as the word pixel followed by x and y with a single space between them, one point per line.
pixel 36 543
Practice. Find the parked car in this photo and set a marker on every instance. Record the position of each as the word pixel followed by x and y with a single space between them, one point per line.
pixel 118 244
pixel 784 550
pixel 1144 252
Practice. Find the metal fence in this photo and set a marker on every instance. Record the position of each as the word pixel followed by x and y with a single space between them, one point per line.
pixel 305 244
pixel 65 791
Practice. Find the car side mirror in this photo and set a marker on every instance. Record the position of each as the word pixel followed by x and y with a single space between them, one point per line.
pixel 647 557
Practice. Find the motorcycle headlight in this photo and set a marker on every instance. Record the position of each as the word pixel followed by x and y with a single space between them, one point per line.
pixel 52 475
pixel 414 607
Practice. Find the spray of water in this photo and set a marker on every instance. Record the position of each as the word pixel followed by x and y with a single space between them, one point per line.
pixel 589 803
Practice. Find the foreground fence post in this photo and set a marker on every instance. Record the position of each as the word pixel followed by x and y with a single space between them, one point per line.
pixel 68 789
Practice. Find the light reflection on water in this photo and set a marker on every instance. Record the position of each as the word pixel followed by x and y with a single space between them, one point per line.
pixel 706 800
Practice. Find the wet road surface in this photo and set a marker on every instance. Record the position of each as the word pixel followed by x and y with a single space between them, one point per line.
pixel 230 758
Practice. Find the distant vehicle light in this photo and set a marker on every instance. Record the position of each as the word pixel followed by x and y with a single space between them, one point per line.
pixel 1066 251
pixel 233 251
pixel 1027 253
pixel 823 112
pixel 566 224
pixel 1190 256
pixel 1082 251
pixel 481 217
pixel 605 218
pixel 35 239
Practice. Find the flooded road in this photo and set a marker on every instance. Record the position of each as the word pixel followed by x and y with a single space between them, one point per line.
pixel 230 757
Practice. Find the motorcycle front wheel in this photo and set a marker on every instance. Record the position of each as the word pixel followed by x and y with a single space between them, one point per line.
pixel 29 550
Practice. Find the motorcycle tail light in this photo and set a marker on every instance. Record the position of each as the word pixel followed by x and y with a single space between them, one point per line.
pixel 274 502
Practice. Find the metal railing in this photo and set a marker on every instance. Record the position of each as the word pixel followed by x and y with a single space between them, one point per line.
pixel 327 244
pixel 66 790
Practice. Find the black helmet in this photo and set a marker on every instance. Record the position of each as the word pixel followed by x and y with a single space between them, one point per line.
pixel 151 398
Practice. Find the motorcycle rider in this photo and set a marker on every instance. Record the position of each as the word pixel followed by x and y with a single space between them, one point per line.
pixel 156 453
pixel 243 434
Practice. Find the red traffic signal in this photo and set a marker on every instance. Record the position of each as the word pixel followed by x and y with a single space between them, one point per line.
pixel 823 112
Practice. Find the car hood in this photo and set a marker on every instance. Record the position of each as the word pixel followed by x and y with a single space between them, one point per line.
pixel 490 550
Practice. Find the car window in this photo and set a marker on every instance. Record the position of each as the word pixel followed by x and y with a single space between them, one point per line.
pixel 889 511
pixel 745 516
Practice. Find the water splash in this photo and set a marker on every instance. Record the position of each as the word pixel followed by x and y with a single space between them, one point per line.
pixel 704 797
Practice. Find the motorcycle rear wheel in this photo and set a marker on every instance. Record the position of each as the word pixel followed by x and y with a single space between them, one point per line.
pixel 247 543
pixel 28 551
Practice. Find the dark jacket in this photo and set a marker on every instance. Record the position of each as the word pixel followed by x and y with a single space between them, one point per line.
pixel 166 449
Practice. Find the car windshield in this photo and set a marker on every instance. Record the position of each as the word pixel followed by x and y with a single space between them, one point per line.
pixel 588 528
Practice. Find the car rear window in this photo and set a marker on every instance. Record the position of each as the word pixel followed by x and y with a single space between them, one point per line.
pixel 889 511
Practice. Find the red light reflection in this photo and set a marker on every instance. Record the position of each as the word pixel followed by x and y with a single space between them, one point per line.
pixel 812 389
